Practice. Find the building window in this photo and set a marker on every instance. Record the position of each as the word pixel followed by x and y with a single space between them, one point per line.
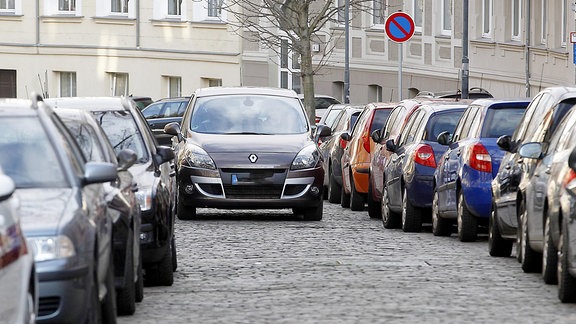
pixel 563 33
pixel 174 87
pixel 487 18
pixel 446 17
pixel 66 5
pixel 417 6
pixel 214 8
pixel 67 84
pixel 210 82
pixel 341 12
pixel 378 12
pixel 338 90
pixel 7 83
pixel 211 10
pixel 119 84
pixel 374 93
pixel 543 22
pixel 289 68
pixel 516 19
pixel 7 5
pixel 174 7
pixel 119 6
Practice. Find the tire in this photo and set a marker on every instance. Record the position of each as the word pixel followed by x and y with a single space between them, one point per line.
pixel 139 288
pixel 390 219
pixel 174 255
pixel 108 304
pixel 161 274
pixel 411 216
pixel 184 212
pixel 530 260
pixel 497 246
pixel 374 210
pixel 126 296
pixel 357 200
pixel 566 282
pixel 440 226
pixel 467 223
pixel 549 257
pixel 344 199
pixel 334 189
pixel 311 214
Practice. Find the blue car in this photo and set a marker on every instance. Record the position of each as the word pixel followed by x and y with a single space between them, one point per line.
pixel 462 180
pixel 409 172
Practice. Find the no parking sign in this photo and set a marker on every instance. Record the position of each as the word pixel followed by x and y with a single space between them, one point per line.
pixel 399 27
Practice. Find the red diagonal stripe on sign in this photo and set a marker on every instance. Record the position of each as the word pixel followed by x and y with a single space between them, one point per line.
pixel 400 27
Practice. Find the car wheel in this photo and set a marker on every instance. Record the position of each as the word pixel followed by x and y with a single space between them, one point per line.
pixel 126 296
pixel 160 274
pixel 374 209
pixel 109 302
pixel 390 219
pixel 497 246
pixel 139 288
pixel 357 200
pixel 184 212
pixel 411 216
pixel 344 199
pixel 334 189
pixel 440 226
pixel 174 255
pixel 467 223
pixel 549 256
pixel 531 260
pixel 566 282
pixel 311 214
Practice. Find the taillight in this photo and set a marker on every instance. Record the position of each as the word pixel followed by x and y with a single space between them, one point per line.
pixel 479 158
pixel 569 182
pixel 343 143
pixel 317 119
pixel 366 142
pixel 425 155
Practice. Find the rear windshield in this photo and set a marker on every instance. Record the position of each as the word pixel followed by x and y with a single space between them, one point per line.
pixel 123 133
pixel 442 122
pixel 501 121
pixel 248 114
pixel 380 117
pixel 28 156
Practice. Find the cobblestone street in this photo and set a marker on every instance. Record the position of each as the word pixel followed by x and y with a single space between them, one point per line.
pixel 269 267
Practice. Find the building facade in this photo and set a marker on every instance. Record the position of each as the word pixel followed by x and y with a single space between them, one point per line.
pixel 155 48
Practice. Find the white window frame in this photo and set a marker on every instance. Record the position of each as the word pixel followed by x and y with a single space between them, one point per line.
pixel 104 9
pixel 418 14
pixel 563 27
pixel 161 10
pixel 114 79
pixel 200 11
pixel 341 14
pixel 487 18
pixel 291 69
pixel 516 20
pixel 69 91
pixel 17 10
pixel 443 30
pixel 378 14
pixel 543 22
pixel 52 7
pixel 174 86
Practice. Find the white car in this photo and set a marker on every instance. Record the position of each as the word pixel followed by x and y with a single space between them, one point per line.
pixel 18 280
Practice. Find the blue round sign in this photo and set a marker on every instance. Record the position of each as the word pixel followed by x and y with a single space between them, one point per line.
pixel 399 27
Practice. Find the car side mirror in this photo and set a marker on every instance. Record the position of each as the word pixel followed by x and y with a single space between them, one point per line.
pixel 324 131
pixel 504 142
pixel 173 129
pixel 163 154
pixel 345 136
pixel 532 150
pixel 390 146
pixel 572 160
pixel 99 172
pixel 444 138
pixel 126 158
pixel 376 136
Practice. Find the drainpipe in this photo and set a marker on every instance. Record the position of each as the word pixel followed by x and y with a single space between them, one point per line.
pixel 527 49
pixel 137 24
pixel 465 60
pixel 37 22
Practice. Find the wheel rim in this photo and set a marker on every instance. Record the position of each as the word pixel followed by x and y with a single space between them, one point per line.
pixel 460 212
pixel 491 229
pixel 404 204
pixel 435 211
pixel 384 205
pixel 545 247
pixel 523 233
pixel 560 266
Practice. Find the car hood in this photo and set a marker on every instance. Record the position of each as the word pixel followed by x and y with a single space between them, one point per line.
pixel 143 174
pixel 44 209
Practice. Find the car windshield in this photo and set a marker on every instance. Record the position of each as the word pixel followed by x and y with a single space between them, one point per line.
pixel 123 133
pixel 248 114
pixel 27 155
pixel 502 121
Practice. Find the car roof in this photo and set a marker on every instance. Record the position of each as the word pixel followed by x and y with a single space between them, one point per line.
pixel 489 102
pixel 217 91
pixel 14 107
pixel 91 103
pixel 172 99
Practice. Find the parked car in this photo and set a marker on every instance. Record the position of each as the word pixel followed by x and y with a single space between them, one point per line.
pixel 331 148
pixel 355 162
pixel 141 101
pixel 228 154
pixel 126 128
pixel 18 279
pixel 538 123
pixel 473 93
pixel 321 104
pixel 64 213
pixel 464 173
pixel 409 172
pixel 566 266
pixel 122 203
pixel 162 112
pixel 328 119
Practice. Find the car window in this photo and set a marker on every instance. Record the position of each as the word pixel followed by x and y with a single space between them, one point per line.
pixel 409 130
pixel 122 132
pixel 380 117
pixel 331 117
pixel 526 117
pixel 324 102
pixel 153 111
pixel 362 119
pixel 28 156
pixel 353 120
pixel 444 121
pixel 459 127
pixel 501 121
pixel 87 139
pixel 543 109
pixel 475 123
pixel 392 123
pixel 248 114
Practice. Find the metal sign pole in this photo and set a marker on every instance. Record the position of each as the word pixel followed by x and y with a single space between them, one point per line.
pixel 400 58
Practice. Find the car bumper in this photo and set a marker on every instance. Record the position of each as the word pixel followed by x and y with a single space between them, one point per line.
pixel 361 175
pixel 155 237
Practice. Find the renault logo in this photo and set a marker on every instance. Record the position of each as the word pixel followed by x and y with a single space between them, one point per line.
pixel 253 158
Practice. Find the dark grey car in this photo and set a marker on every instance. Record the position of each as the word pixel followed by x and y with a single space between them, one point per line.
pixel 162 112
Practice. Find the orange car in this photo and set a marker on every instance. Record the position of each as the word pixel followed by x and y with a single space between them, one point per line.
pixel 356 156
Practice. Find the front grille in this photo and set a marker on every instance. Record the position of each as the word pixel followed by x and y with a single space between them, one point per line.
pixel 292 190
pixel 211 188
pixel 48 305
pixel 253 192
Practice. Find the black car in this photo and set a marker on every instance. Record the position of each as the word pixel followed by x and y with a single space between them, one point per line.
pixel 162 112
pixel 508 220
pixel 247 147
pixel 473 93
pixel 64 213
pixel 122 203
pixel 141 101
pixel 126 128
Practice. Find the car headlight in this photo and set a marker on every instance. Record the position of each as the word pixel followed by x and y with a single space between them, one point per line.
pixel 51 247
pixel 198 158
pixel 307 158
pixel 144 197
